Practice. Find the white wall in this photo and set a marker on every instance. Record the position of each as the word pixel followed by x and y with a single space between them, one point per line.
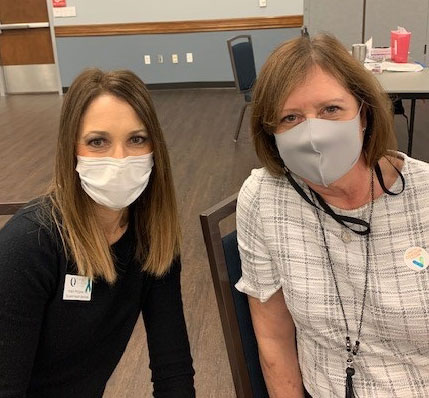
pixel 123 11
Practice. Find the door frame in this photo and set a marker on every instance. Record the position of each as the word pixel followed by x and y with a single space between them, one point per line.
pixel 54 50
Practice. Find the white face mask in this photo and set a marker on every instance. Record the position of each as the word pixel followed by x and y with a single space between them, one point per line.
pixel 319 150
pixel 114 183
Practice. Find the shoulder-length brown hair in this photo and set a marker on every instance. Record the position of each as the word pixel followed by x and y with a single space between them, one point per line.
pixel 156 222
pixel 288 66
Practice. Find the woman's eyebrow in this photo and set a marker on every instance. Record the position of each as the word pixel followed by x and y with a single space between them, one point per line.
pixel 107 134
pixel 96 132
pixel 142 130
pixel 287 110
pixel 319 104
pixel 329 101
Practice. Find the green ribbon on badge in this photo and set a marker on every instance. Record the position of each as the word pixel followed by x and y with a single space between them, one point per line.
pixel 88 286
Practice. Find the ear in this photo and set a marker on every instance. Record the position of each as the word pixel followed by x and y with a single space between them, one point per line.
pixel 363 118
pixel 366 125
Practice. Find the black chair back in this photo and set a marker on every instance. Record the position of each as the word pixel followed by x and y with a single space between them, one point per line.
pixel 243 62
pixel 225 266
pixel 243 67
pixel 248 338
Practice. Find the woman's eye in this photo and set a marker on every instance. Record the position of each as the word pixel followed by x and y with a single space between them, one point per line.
pixel 331 109
pixel 138 140
pixel 290 118
pixel 97 142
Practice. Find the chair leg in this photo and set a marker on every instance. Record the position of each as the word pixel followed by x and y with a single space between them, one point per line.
pixel 240 120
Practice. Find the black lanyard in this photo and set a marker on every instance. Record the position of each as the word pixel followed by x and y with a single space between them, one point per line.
pixel 338 217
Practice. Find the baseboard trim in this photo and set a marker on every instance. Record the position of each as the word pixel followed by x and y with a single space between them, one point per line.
pixel 184 85
pixel 171 86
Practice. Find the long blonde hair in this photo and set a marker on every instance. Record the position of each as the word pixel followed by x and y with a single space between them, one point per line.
pixel 288 66
pixel 157 230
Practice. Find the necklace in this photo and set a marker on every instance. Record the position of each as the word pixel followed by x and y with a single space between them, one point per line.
pixel 352 351
pixel 346 236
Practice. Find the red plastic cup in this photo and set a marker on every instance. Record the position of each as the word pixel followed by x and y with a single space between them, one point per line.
pixel 399 45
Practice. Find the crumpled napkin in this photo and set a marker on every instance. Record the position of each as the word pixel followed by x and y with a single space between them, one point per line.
pixel 402 67
pixel 395 67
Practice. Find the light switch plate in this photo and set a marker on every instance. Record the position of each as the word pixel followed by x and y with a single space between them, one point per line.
pixel 174 58
pixel 147 59
pixel 189 58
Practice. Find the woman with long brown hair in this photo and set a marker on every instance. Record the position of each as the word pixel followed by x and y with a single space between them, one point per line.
pixel 78 265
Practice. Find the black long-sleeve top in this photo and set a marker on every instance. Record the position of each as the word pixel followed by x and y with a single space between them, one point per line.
pixel 51 347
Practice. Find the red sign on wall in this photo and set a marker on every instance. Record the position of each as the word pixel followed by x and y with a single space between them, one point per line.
pixel 59 3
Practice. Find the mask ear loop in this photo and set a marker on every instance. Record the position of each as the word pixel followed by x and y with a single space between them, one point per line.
pixel 367 132
pixel 381 181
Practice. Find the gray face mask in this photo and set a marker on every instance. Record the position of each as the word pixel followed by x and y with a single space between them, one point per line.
pixel 319 150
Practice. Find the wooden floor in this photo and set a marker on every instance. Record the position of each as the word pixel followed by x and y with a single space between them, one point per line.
pixel 207 167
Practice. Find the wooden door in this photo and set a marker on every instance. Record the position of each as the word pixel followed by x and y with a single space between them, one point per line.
pixel 26 47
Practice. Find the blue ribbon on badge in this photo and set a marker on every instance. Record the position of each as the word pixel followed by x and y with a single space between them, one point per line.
pixel 88 286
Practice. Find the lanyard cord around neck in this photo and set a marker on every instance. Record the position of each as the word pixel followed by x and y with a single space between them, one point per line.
pixel 341 219
pixel 351 351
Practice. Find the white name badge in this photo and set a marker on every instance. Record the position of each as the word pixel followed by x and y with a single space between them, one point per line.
pixel 77 287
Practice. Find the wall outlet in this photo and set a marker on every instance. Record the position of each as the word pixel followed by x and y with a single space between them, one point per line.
pixel 262 3
pixel 147 59
pixel 160 59
pixel 189 58
pixel 174 58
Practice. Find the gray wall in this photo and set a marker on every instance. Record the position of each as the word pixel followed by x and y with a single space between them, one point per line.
pixel 121 11
pixel 211 58
pixel 342 18
pixel 412 14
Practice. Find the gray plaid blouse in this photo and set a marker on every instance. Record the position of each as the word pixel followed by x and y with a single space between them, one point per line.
pixel 281 246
